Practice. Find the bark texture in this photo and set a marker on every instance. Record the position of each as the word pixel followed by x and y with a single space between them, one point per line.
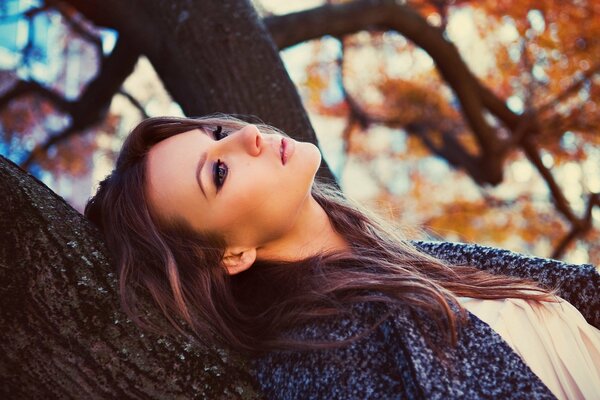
pixel 62 334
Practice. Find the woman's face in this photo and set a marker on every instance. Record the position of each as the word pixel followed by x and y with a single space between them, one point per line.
pixel 245 185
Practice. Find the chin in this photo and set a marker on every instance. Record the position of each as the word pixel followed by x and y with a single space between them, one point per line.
pixel 313 155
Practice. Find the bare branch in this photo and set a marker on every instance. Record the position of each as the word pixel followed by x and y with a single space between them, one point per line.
pixel 520 125
pixel 342 19
pixel 22 88
pixel 578 230
pixel 357 114
pixel 475 98
pixel 560 201
pixel 528 122
pixel 29 46
pixel 560 248
pixel 524 125
pixel 92 105
pixel 570 90
pixel 134 102
pixel 28 14
pixel 451 149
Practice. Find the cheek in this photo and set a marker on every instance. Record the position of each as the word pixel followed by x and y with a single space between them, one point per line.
pixel 266 191
pixel 250 202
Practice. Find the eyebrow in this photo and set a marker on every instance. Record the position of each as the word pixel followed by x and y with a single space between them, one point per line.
pixel 199 167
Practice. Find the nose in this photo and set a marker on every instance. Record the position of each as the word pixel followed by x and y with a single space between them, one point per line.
pixel 251 139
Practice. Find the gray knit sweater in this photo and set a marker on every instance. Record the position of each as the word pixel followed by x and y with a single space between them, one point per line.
pixel 396 362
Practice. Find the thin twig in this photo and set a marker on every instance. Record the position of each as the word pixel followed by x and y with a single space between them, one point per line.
pixel 135 102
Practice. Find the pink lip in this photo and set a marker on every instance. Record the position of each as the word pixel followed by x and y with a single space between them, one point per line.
pixel 286 150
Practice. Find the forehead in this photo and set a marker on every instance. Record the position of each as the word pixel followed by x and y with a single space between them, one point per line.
pixel 176 144
pixel 170 171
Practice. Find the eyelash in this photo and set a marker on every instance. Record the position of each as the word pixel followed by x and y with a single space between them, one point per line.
pixel 220 169
pixel 218 132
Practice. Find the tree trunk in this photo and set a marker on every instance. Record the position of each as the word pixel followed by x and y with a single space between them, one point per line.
pixel 62 332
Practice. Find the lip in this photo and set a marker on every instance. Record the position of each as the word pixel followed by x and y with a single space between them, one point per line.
pixel 286 149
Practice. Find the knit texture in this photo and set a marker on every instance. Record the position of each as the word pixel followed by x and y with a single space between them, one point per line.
pixel 394 361
pixel 578 284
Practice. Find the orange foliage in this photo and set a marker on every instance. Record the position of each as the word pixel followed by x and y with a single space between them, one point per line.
pixel 539 49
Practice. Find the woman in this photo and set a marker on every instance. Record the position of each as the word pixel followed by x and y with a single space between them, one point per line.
pixel 222 223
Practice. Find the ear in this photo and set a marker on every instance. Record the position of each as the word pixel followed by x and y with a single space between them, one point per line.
pixel 238 259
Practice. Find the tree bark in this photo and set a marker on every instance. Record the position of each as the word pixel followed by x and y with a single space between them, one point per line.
pixel 62 332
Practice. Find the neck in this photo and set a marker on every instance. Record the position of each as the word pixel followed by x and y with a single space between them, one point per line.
pixel 312 235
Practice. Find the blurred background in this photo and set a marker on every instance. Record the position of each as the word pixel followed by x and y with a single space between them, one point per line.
pixel 389 122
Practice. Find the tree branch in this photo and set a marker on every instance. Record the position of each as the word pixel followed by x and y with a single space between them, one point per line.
pixel 93 103
pixel 451 149
pixel 528 122
pixel 580 229
pixel 22 88
pixel 569 90
pixel 357 114
pixel 28 14
pixel 343 19
pixel 475 98
pixel 560 201
pixel 134 102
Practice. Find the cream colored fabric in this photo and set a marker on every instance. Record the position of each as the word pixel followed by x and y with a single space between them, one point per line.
pixel 553 339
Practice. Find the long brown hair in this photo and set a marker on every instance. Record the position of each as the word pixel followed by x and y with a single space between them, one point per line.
pixel 181 268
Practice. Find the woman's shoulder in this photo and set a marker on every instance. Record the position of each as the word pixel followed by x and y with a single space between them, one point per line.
pixel 396 360
pixel 354 319
pixel 577 283
pixel 368 367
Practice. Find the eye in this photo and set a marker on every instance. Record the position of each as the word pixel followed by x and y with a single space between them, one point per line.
pixel 218 133
pixel 220 171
